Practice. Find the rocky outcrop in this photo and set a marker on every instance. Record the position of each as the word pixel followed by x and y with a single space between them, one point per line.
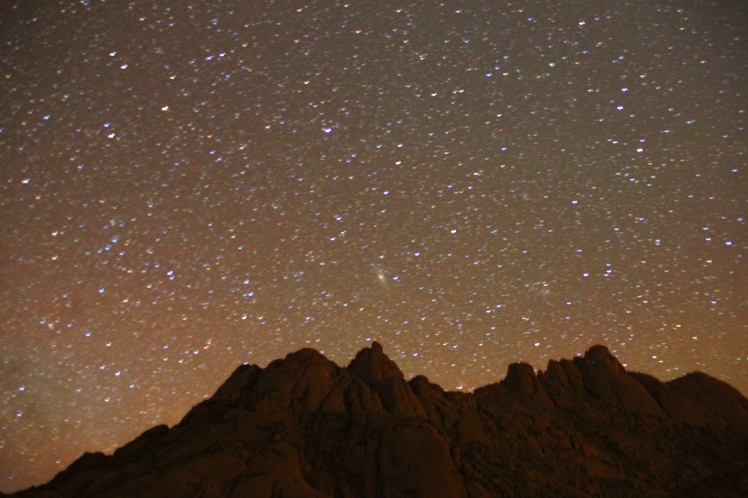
pixel 607 380
pixel 373 366
pixel 521 379
pixel 306 427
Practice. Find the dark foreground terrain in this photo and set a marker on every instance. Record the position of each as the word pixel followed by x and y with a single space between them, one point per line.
pixel 305 427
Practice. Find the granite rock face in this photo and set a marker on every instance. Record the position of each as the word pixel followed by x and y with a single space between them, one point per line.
pixel 306 427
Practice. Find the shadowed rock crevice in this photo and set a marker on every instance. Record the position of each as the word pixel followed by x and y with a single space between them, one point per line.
pixel 306 427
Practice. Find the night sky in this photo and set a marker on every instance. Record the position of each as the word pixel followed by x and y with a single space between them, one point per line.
pixel 185 187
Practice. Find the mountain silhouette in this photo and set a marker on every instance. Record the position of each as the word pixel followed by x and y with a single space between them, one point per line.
pixel 306 427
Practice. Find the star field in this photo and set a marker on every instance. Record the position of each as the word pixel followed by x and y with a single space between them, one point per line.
pixel 185 187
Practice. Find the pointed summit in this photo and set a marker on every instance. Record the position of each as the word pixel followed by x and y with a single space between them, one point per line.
pixel 604 359
pixel 605 377
pixel 373 366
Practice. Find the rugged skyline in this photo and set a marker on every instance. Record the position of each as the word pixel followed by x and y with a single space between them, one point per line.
pixel 306 427
pixel 189 186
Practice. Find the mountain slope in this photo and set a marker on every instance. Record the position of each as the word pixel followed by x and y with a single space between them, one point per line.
pixel 306 427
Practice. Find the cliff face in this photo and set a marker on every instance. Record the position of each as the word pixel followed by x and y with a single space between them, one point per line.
pixel 305 427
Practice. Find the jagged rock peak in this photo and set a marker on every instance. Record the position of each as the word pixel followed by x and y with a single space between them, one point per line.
pixel 520 378
pixel 373 366
pixel 233 387
pixel 602 356
pixel 606 378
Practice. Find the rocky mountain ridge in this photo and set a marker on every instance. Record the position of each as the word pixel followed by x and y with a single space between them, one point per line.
pixel 306 427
